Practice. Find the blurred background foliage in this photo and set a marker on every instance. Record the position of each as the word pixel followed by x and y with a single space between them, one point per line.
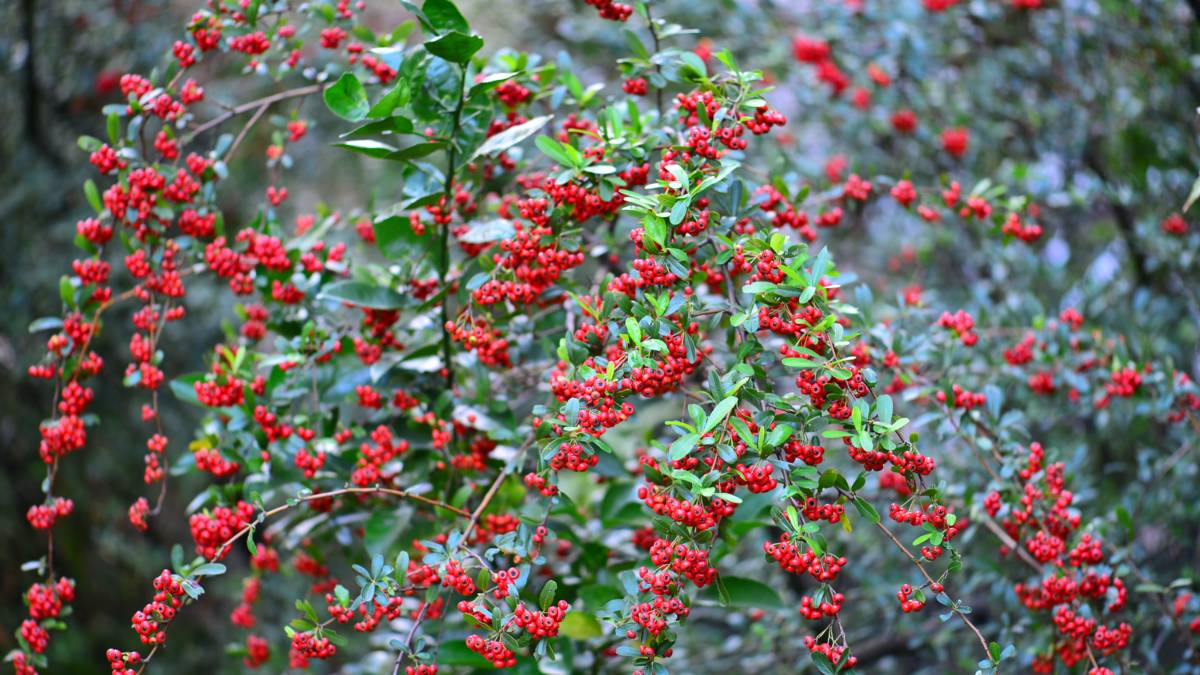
pixel 1087 106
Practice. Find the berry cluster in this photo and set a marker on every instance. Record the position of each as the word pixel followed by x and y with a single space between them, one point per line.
pixel 213 530
pixel 311 646
pixel 962 324
pixel 689 563
pixel 150 621
pixel 1039 517
pixel 43 516
pixel 535 265
pixel 541 625
pixel 492 650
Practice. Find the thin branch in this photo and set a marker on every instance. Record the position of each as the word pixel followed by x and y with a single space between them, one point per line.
pixel 953 608
pixel 253 105
pixel 409 639
pixel 1010 543
pixel 483 504
pixel 334 493
pixel 246 129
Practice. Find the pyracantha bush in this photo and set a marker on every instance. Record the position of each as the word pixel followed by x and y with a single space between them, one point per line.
pixel 416 429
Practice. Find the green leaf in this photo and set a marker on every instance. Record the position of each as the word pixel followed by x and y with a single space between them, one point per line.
pixel 363 295
pixel 635 44
pixel 45 323
pixel 399 95
pixel 511 136
pixel 114 128
pixel 368 147
pixel 656 230
pixel 555 150
pixel 347 98
pixel 633 329
pixel 580 626
pixel 682 446
pixel 720 412
pixel 93 196
pixel 695 63
pixel 793 517
pixel 66 291
pixel 1193 195
pixel 743 431
pixel 883 408
pixel 546 597
pixel 209 570
pixel 824 665
pixel 386 126
pixel 455 47
pixel 443 15
pixel 679 211
pixel 745 592
pixel 400 569
pixel 415 151
pixel 193 590
pixel 89 143
pixel 395 237
pixel 779 435
pixel 184 389
pixel 654 345
pixel 866 510
pixel 1126 521
pixel 681 176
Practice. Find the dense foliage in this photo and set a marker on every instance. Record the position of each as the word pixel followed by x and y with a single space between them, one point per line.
pixel 544 374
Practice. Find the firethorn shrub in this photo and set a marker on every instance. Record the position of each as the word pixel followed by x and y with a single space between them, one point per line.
pixel 581 375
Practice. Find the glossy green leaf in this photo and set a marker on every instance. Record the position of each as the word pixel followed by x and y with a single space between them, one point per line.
pixel 510 137
pixel 443 15
pixel 555 150
pixel 745 592
pixel 455 46
pixel 580 626
pixel 720 412
pixel 347 98
pixel 363 294
pixel 395 237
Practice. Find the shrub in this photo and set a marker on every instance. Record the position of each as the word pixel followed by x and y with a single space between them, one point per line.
pixel 579 377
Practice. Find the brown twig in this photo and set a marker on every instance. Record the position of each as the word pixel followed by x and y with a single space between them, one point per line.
pixel 253 105
pixel 921 568
pixel 334 493
pixel 409 638
pixel 246 129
